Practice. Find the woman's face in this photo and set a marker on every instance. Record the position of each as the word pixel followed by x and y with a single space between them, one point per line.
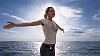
pixel 51 13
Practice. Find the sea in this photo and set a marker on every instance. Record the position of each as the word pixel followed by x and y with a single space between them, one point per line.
pixel 64 48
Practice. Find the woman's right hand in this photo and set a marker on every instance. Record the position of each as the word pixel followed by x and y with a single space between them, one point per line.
pixel 9 25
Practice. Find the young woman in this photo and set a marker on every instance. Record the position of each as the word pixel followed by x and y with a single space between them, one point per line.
pixel 49 28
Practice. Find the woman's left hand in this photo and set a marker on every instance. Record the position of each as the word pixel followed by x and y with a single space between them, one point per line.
pixel 62 30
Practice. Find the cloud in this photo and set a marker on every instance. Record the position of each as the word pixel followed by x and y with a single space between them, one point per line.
pixel 85 26
pixel 97 16
pixel 91 33
pixel 95 36
pixel 11 31
pixel 8 35
pixel 74 35
pixel 65 11
pixel 93 30
pixel 69 12
pixel 74 32
pixel 78 32
pixel 13 16
pixel 76 29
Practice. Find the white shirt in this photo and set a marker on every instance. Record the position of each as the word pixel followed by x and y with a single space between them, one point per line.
pixel 50 30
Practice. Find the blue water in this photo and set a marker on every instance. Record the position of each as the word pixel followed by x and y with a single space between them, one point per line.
pixel 68 48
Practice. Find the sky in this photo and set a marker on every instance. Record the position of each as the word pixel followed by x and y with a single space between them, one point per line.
pixel 79 18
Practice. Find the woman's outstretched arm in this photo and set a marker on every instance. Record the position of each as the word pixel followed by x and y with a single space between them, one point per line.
pixel 11 24
pixel 60 28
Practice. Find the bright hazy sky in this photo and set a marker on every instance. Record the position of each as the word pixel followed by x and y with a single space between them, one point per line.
pixel 79 18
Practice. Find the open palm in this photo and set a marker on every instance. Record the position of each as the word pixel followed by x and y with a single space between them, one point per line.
pixel 9 25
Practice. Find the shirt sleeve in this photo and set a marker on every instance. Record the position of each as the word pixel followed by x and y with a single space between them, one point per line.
pixel 43 21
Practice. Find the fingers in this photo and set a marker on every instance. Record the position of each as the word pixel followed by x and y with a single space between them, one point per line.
pixel 5 27
pixel 8 26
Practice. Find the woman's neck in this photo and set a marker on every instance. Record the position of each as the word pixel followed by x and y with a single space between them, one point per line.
pixel 48 18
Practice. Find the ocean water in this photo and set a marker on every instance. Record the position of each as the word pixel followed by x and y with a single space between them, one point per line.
pixel 67 48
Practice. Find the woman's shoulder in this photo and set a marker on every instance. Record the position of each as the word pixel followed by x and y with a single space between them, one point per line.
pixel 42 19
